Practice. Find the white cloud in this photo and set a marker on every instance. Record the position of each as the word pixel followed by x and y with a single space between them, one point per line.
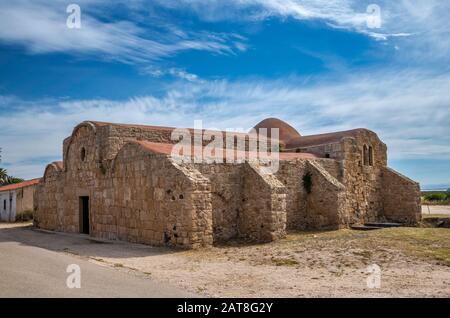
pixel 40 26
pixel 172 71
pixel 411 24
pixel 409 110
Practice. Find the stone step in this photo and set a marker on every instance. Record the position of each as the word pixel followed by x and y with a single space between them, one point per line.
pixel 365 227
pixel 383 224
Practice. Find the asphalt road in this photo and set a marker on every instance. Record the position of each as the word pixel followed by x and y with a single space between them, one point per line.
pixel 32 271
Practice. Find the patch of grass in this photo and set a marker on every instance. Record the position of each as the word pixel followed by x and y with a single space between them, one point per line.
pixel 439 216
pixel 443 255
pixel 425 243
pixel 118 265
pixel 431 203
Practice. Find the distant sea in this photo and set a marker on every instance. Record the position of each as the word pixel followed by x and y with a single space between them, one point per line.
pixel 435 187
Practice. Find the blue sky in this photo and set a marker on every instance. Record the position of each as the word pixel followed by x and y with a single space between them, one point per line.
pixel 316 64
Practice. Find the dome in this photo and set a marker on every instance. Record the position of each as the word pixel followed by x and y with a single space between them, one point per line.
pixel 286 131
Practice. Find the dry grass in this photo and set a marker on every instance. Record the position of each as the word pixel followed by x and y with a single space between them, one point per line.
pixel 429 243
pixel 439 216
pixel 344 247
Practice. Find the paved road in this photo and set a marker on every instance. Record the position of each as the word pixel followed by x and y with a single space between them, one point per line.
pixel 436 209
pixel 33 271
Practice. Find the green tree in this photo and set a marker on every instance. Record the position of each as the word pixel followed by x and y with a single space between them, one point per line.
pixel 3 176
pixel 6 179
pixel 12 180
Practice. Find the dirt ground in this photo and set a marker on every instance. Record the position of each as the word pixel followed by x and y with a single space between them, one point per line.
pixel 413 261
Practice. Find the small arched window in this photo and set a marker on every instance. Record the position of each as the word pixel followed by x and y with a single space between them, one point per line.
pixel 83 154
pixel 365 155
pixel 370 156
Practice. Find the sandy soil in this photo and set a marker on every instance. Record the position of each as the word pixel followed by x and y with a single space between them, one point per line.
pixel 414 262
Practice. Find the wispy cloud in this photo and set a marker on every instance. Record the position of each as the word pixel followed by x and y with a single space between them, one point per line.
pixel 40 27
pixel 144 35
pixel 409 110
pixel 411 25
pixel 338 13
pixel 172 71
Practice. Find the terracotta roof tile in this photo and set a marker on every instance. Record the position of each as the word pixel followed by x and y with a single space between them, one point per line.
pixel 166 149
pixel 286 131
pixel 314 140
pixel 20 185
pixel 157 128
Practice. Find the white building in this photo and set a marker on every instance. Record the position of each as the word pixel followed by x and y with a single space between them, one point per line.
pixel 16 199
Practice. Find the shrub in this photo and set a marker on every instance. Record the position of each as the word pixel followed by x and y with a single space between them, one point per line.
pixel 436 197
pixel 24 216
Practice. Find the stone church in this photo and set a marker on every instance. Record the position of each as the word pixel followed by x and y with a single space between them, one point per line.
pixel 122 182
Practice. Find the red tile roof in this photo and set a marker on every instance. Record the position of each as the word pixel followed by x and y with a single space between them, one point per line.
pixel 163 128
pixel 286 131
pixel 166 149
pixel 315 140
pixel 20 185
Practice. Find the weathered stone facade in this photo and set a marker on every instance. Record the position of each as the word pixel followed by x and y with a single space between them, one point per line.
pixel 121 182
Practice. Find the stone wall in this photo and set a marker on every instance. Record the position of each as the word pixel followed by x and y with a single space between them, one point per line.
pixel 152 200
pixel 226 197
pixel 401 198
pixel 263 215
pixel 49 200
pixel 291 173
pixel 24 199
pixel 140 196
pixel 363 182
pixel 143 197
pixel 326 206
pixel 109 138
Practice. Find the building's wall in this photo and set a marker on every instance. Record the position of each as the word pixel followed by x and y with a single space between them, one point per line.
pixel 401 198
pixel 109 139
pixel 326 207
pixel 8 206
pixel 149 199
pixel 24 198
pixel 226 197
pixel 263 214
pixel 363 183
pixel 139 196
pixel 49 201
pixel 291 173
